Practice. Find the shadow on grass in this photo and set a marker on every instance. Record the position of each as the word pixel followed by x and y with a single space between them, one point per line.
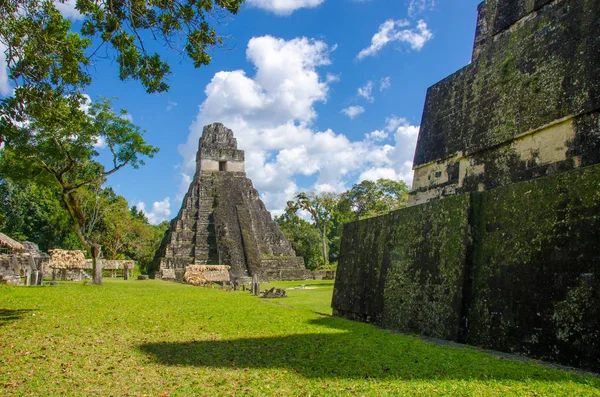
pixel 361 351
pixel 8 316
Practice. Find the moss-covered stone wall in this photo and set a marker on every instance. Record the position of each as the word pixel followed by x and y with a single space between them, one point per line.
pixel 536 268
pixel 362 266
pixel 529 72
pixel 516 268
pixel 427 252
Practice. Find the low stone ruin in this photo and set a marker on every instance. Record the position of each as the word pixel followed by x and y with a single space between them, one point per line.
pixel 205 274
pixel 21 263
pixel 114 265
pixel 70 263
pixel 274 293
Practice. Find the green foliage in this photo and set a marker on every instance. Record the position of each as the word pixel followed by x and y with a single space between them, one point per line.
pixel 321 208
pixel 44 53
pixel 57 147
pixel 330 212
pixel 49 129
pixel 370 198
pixel 303 236
pixel 32 212
pixel 202 341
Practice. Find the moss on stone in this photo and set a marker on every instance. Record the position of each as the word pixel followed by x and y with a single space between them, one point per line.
pixel 423 289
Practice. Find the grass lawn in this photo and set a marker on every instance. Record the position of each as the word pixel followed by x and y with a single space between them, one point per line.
pixel 130 338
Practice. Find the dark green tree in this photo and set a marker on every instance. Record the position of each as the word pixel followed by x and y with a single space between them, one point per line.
pixel 321 208
pixel 58 146
pixel 369 198
pixel 302 235
pixel 33 212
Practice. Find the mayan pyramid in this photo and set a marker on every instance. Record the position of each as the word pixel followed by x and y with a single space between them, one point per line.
pixel 222 220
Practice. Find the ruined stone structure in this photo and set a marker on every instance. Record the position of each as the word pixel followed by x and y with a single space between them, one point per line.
pixel 499 246
pixel 222 220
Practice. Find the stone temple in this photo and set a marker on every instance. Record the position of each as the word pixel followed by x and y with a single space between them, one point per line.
pixel 222 220
pixel 498 247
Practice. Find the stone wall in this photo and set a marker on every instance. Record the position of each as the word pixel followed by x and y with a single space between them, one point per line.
pixel 515 269
pixel 536 269
pixel 534 78
pixel 213 166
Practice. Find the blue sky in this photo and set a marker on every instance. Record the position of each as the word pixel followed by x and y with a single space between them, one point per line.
pixel 319 93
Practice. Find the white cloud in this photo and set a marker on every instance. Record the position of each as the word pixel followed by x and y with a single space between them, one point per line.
pixel 365 91
pixel 392 123
pixel 377 135
pixel 332 78
pixel 416 7
pixel 67 9
pixel 353 111
pixel 390 32
pixel 374 174
pixel 5 88
pixel 385 83
pixel 398 158
pixel 160 211
pixel 284 7
pixel 100 143
pixel 171 105
pixel 271 114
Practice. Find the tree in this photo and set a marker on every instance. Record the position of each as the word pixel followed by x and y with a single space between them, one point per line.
pixel 320 207
pixel 58 146
pixel 42 49
pixel 33 212
pixel 303 237
pixel 331 211
pixel 369 198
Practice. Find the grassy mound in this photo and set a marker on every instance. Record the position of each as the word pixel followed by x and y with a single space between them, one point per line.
pixel 157 338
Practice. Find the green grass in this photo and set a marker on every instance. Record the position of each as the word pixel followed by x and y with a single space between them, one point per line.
pixel 157 338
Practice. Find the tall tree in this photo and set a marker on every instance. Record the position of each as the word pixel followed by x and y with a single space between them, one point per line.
pixel 303 237
pixel 321 208
pixel 369 198
pixel 33 212
pixel 61 149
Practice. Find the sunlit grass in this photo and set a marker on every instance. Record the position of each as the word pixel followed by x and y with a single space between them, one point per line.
pixel 157 338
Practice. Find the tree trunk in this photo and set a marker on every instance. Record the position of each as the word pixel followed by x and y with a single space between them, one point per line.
pixel 324 248
pixel 96 264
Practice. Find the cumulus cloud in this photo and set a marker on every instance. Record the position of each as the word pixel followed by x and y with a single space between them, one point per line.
pixel 365 91
pixel 271 113
pixel 377 135
pixel 160 211
pixel 284 7
pixel 391 31
pixel 385 83
pixel 353 111
pixel 416 7
pixel 170 106
pixel 67 9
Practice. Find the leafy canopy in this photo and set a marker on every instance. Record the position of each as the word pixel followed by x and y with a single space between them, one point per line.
pixel 41 49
